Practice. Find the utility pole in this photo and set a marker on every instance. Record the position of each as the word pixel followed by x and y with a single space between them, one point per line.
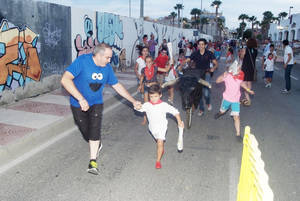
pixel 142 9
pixel 129 8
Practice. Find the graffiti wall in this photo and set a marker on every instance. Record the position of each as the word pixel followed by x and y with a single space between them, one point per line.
pixel 122 33
pixel 34 41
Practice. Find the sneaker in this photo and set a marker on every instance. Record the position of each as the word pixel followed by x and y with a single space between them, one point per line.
pixel 157 165
pixel 93 167
pixel 100 148
pixel 200 113
pixel 209 107
pixel 218 115
pixel 239 138
pixel 170 101
pixel 285 91
pixel 268 85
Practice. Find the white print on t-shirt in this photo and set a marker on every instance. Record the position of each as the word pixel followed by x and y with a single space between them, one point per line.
pixel 96 76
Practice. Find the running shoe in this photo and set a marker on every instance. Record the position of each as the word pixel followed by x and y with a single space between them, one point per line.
pixel 93 167
pixel 157 165
pixel 99 149
pixel 209 107
pixel 219 114
pixel 285 91
pixel 200 113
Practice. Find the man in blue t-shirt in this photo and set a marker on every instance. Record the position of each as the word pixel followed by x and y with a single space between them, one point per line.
pixel 85 79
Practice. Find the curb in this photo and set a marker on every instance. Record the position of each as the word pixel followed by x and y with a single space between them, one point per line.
pixel 41 136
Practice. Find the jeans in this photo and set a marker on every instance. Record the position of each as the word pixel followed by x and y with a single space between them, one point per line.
pixel 152 54
pixel 287 75
pixel 206 93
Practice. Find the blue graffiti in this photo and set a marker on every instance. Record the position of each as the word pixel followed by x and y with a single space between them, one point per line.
pixel 88 26
pixel 109 25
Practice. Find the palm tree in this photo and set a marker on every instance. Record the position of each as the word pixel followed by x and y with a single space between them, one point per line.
pixel 216 4
pixel 178 7
pixel 196 14
pixel 281 16
pixel 265 24
pixel 173 16
pixel 204 21
pixel 252 19
pixel 243 17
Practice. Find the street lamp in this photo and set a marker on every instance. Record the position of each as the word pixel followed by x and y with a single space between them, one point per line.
pixel 290 11
pixel 129 8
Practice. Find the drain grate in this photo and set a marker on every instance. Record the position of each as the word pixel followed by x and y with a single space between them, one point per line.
pixel 213 137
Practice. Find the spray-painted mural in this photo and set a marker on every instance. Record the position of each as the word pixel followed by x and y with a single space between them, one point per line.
pixel 19 61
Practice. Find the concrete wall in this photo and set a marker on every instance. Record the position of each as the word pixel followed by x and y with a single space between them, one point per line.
pixel 39 39
pixel 34 41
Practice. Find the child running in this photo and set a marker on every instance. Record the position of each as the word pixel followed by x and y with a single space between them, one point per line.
pixel 231 97
pixel 269 69
pixel 148 78
pixel 156 111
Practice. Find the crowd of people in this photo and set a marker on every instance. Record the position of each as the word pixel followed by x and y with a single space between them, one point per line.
pixel 86 77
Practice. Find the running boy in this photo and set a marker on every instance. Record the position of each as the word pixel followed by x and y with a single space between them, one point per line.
pixel 148 78
pixel 231 97
pixel 156 111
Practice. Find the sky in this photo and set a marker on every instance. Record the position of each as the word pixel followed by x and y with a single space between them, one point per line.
pixel 230 9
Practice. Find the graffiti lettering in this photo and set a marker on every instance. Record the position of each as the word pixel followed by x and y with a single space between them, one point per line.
pixel 52 36
pixel 19 61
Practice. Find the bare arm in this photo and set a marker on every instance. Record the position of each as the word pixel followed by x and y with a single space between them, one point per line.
pixel 124 93
pixel 136 70
pixel 221 78
pixel 68 84
pixel 179 121
pixel 215 63
pixel 289 59
pixel 243 85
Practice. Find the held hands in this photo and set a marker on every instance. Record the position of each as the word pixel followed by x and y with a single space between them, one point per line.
pixel 84 105
pixel 137 105
pixel 181 124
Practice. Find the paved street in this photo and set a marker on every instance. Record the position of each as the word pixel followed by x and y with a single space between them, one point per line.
pixel 208 169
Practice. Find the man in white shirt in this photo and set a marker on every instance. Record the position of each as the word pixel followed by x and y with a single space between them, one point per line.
pixel 288 61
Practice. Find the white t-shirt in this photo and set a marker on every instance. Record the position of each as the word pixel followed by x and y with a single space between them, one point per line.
pixel 156 114
pixel 288 50
pixel 269 65
pixel 141 64
pixel 188 52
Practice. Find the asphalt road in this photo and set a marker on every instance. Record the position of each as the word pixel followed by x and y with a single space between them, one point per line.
pixel 208 168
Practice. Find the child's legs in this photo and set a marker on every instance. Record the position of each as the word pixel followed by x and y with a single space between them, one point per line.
pixel 160 149
pixel 224 106
pixel 235 112
pixel 249 86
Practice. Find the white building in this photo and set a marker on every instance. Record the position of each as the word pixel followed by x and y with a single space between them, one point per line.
pixel 287 29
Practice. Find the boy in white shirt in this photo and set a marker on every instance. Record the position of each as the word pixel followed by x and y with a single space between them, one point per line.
pixel 269 69
pixel 288 61
pixel 156 111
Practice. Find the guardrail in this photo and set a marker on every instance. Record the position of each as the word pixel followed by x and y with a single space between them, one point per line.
pixel 254 181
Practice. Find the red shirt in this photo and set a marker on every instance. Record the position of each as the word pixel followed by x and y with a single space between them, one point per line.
pixel 161 61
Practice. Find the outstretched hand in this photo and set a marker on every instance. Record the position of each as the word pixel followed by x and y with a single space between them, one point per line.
pixel 137 105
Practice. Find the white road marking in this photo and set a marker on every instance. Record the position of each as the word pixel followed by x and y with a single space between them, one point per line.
pixel 294 77
pixel 43 146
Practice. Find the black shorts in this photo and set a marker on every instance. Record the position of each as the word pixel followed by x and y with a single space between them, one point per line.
pixel 89 122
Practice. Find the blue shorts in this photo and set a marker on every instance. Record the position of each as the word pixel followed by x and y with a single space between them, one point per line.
pixel 269 74
pixel 235 107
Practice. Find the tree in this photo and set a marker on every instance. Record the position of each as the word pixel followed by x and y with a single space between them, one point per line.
pixel 252 19
pixel 281 16
pixel 243 17
pixel 248 33
pixel 173 16
pixel 195 12
pixel 268 18
pixel 204 21
pixel 178 7
pixel 216 4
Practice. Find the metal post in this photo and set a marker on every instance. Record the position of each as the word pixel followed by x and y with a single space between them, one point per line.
pixel 201 5
pixel 142 9
pixel 129 8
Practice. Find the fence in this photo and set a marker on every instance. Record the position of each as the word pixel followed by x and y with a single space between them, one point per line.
pixel 254 181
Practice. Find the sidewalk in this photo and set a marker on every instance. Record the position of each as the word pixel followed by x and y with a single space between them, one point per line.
pixel 30 122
